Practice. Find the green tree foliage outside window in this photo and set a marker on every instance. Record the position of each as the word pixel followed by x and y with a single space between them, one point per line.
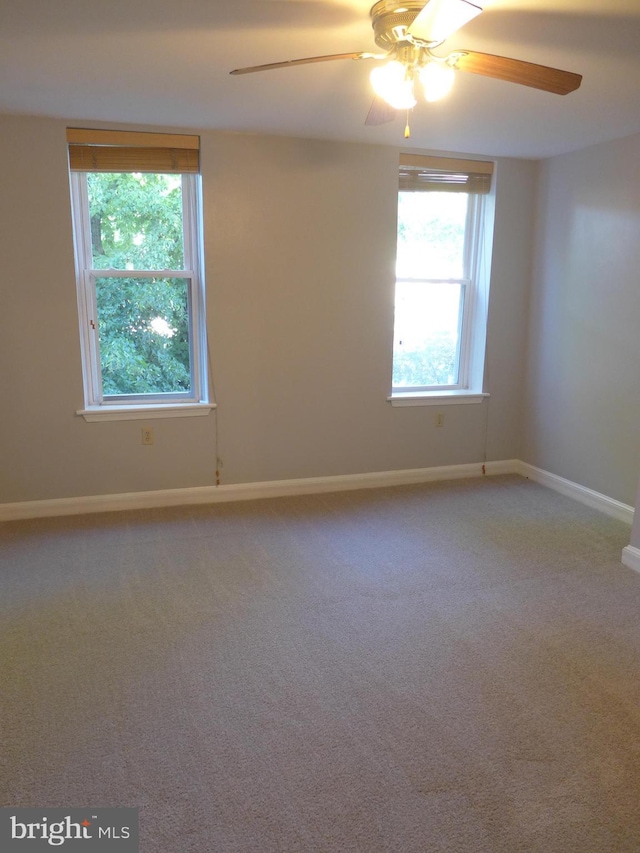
pixel 143 322
pixel 432 364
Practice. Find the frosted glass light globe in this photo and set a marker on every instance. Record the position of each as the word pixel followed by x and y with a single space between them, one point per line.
pixel 392 83
pixel 437 80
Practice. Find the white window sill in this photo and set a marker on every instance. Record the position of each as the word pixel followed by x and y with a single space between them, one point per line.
pixel 437 398
pixel 141 412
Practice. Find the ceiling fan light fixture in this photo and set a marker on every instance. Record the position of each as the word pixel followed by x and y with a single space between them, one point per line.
pixel 393 82
pixel 437 80
pixel 407 31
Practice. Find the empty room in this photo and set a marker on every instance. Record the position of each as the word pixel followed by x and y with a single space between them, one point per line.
pixel 319 444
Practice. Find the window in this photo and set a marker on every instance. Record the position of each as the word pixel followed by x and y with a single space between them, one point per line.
pixel 443 250
pixel 136 214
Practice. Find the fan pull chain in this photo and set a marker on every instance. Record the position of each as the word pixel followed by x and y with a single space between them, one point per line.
pixel 407 129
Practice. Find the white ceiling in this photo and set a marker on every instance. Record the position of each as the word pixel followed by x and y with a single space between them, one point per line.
pixel 167 62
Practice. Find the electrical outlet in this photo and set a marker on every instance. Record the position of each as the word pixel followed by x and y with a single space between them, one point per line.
pixel 147 435
pixel 439 420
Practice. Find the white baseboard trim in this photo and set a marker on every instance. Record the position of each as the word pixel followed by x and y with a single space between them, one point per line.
pixel 307 486
pixel 246 491
pixel 609 506
pixel 631 557
pixel 502 466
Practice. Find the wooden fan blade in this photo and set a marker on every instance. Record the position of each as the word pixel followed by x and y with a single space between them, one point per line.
pixel 516 71
pixel 380 112
pixel 307 61
pixel 441 18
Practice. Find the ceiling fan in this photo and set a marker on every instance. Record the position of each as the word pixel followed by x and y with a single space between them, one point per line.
pixel 408 31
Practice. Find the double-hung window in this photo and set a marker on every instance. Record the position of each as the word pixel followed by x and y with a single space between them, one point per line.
pixel 442 279
pixel 137 229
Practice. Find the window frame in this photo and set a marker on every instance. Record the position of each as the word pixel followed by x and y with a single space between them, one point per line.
pixel 478 243
pixel 99 406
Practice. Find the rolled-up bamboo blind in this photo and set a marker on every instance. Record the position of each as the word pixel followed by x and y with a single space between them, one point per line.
pixel 126 151
pixel 423 173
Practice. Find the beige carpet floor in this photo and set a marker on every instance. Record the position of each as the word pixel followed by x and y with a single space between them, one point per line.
pixel 447 667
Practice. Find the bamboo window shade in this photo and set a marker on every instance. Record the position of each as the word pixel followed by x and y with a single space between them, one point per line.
pixel 420 173
pixel 126 151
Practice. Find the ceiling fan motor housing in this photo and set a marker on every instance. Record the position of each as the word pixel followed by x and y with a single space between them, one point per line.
pixel 391 19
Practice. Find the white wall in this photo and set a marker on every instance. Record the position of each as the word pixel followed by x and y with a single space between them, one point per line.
pixel 635 530
pixel 582 416
pixel 513 252
pixel 299 245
